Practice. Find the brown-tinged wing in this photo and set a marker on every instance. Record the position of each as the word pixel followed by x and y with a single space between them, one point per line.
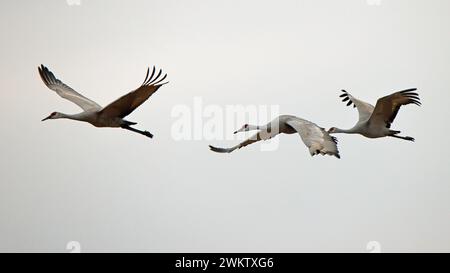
pixel 125 105
pixel 387 107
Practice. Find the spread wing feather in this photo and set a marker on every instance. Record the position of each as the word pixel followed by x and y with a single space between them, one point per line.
pixel 315 138
pixel 125 105
pixel 364 109
pixel 387 108
pixel 66 91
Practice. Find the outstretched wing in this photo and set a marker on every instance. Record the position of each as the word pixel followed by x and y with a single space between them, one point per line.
pixel 364 109
pixel 66 91
pixel 125 105
pixel 387 107
pixel 315 138
pixel 262 135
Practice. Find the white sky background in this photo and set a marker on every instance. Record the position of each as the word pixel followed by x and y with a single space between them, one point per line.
pixel 113 190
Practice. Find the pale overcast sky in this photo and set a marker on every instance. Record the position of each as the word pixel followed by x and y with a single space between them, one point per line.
pixel 113 190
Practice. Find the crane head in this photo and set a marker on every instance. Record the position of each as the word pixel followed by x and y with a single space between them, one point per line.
pixel 332 130
pixel 53 115
pixel 243 129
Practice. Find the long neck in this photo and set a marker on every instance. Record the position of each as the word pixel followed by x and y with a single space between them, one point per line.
pixel 74 117
pixel 343 131
pixel 256 127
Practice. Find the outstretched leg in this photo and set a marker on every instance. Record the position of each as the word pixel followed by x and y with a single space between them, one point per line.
pixel 395 134
pixel 404 138
pixel 145 133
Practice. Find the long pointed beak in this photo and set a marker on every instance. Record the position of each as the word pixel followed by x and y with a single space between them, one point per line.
pixel 235 132
pixel 46 118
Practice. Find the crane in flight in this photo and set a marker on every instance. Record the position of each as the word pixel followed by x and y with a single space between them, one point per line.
pixel 314 137
pixel 112 115
pixel 375 122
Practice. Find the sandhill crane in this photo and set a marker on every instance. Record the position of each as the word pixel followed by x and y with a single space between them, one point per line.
pixel 111 115
pixel 315 138
pixel 375 122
